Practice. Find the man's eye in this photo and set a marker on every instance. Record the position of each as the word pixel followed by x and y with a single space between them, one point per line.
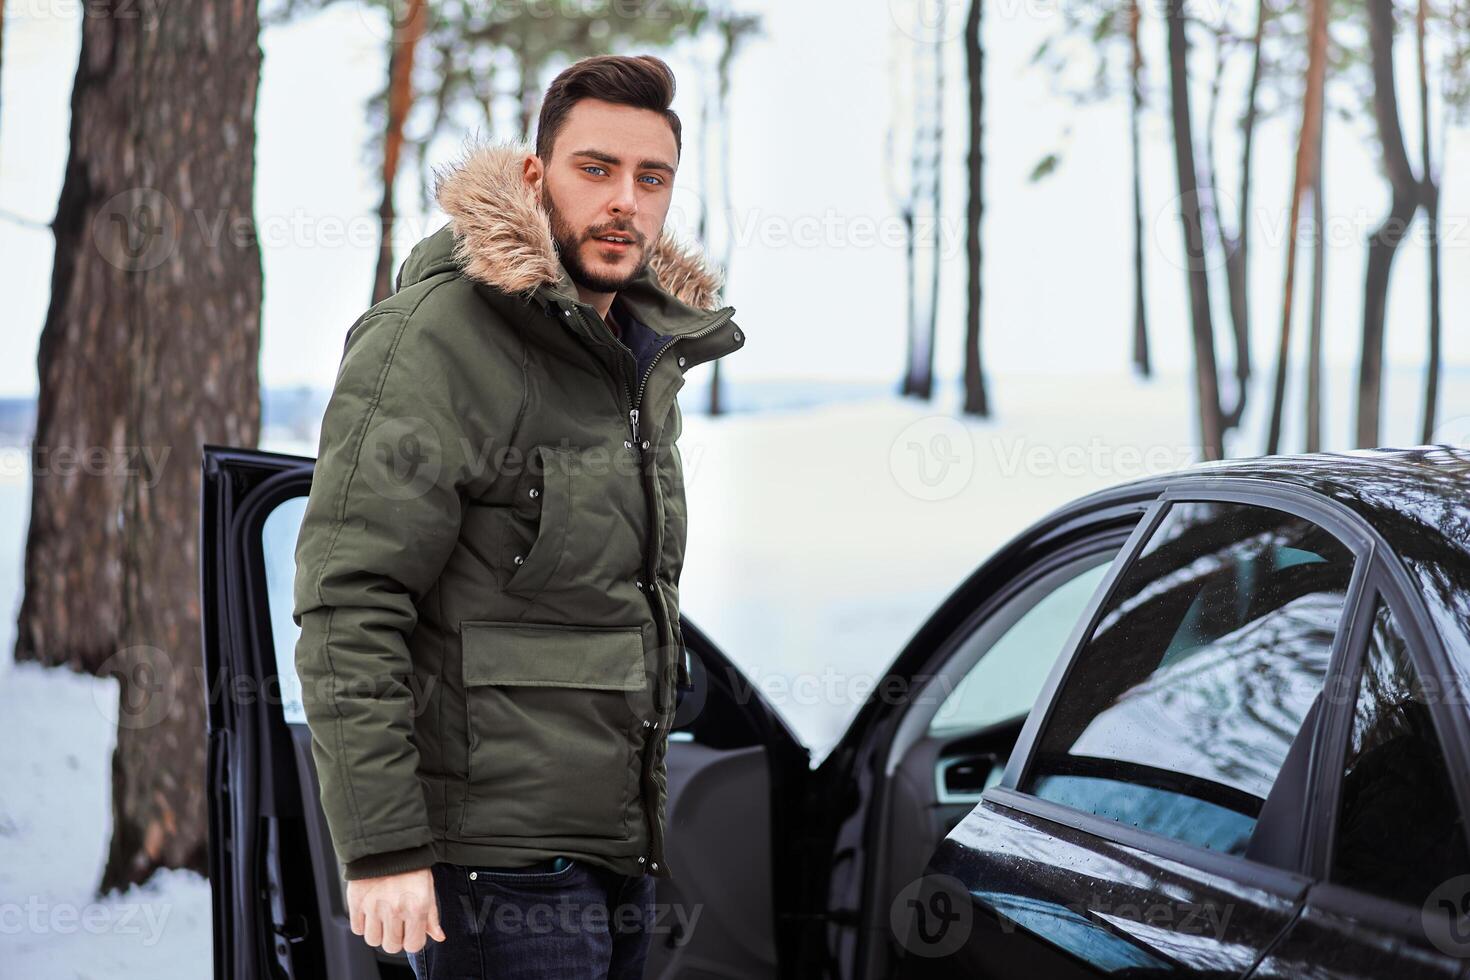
pixel 591 167
pixel 656 180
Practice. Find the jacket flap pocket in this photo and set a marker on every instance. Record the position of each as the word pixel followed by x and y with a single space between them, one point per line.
pixel 551 655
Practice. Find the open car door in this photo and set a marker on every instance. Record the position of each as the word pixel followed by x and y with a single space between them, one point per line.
pixel 279 908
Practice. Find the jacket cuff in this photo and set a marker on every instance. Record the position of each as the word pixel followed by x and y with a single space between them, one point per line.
pixel 389 862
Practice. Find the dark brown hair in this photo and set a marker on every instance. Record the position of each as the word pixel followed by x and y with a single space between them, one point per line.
pixel 641 81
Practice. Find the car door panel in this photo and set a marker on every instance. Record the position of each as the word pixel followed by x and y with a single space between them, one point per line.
pixel 1057 900
pixel 278 897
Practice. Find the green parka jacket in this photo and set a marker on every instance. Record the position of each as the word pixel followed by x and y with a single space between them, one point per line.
pixel 487 574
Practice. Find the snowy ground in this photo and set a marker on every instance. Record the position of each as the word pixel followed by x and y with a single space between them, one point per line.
pixel 818 542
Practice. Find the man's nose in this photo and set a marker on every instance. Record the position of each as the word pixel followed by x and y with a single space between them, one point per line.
pixel 624 202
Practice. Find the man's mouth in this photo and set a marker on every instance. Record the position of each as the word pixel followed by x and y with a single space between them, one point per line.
pixel 616 240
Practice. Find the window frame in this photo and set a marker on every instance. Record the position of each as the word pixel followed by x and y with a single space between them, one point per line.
pixel 1331 516
pixel 1386 583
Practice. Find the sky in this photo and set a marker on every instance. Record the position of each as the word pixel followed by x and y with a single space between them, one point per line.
pixel 817 275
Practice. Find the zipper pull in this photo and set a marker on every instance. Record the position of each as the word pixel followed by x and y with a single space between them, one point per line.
pixel 633 421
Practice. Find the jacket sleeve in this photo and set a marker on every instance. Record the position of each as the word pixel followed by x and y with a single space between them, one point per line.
pixel 381 520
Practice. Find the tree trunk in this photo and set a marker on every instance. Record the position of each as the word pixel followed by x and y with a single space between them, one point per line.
pixel 406 34
pixel 1319 297
pixel 977 397
pixel 149 349
pixel 1305 178
pixel 1237 252
pixel 1384 241
pixel 724 71
pixel 936 210
pixel 1430 191
pixel 911 383
pixel 1207 384
pixel 1141 361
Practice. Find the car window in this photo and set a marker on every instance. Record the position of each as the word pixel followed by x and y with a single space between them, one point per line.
pixel 1394 757
pixel 1181 708
pixel 278 546
pixel 1009 670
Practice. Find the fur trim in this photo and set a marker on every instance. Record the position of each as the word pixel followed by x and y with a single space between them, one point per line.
pixel 503 235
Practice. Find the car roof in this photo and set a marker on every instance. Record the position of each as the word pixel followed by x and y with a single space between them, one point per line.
pixel 1400 492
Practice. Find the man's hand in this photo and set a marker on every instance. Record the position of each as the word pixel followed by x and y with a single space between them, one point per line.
pixel 395 912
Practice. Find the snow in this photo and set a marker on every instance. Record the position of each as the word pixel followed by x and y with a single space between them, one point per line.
pixel 819 540
pixel 54 820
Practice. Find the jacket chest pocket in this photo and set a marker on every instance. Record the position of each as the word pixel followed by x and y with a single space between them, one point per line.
pixel 543 506
pixel 554 716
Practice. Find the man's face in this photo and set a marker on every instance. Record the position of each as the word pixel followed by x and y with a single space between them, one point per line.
pixel 610 175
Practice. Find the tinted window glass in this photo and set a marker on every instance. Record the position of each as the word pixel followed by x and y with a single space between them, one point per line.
pixel 1184 704
pixel 1012 668
pixel 1394 756
pixel 278 548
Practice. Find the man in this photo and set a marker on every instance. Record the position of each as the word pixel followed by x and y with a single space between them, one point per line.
pixel 488 566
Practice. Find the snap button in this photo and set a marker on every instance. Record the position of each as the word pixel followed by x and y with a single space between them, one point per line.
pixel 655 724
pixel 654 865
pixel 645 443
pixel 638 582
pixel 518 559
pixel 739 336
pixel 627 444
pixel 647 723
pixel 641 860
pixel 681 360
pixel 535 492
pixel 568 312
pixel 472 876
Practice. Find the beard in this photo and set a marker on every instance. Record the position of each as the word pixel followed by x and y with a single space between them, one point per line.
pixel 568 241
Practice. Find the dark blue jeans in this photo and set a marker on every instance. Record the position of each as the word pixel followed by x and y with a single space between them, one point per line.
pixel 583 922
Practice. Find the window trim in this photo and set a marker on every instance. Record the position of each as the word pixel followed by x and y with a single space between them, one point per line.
pixel 1428 662
pixel 1331 516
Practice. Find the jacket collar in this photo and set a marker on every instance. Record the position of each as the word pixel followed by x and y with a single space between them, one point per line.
pixel 502 239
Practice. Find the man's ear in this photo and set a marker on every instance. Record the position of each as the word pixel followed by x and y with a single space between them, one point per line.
pixel 533 173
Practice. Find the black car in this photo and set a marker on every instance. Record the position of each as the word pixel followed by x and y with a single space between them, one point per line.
pixel 1210 722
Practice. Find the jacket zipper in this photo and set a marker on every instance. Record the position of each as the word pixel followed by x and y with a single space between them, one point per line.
pixel 635 400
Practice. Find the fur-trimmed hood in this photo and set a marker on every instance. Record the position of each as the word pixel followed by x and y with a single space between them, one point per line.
pixel 502 235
